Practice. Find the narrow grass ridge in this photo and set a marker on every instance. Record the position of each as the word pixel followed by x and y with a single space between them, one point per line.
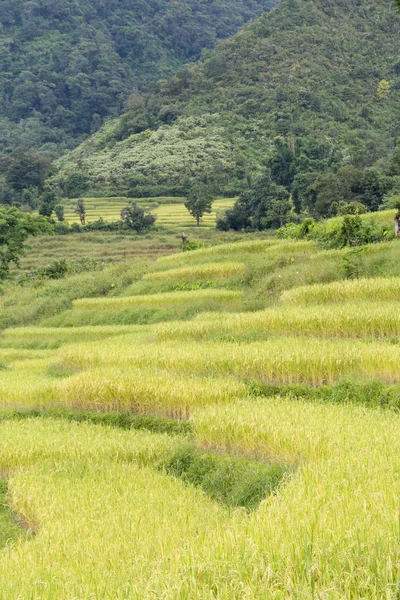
pixel 204 271
pixel 158 300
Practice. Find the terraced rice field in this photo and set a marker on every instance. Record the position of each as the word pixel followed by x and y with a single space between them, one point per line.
pixel 170 212
pixel 206 448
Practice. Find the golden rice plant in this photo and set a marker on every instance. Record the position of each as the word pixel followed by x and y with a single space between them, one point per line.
pixel 145 391
pixel 333 530
pixel 198 272
pixel 280 359
pixel 109 525
pixel 378 289
pixel 24 388
pixel 344 320
pixel 158 300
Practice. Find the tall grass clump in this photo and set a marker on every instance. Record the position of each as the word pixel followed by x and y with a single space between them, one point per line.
pixel 145 391
pixel 158 300
pixel 377 289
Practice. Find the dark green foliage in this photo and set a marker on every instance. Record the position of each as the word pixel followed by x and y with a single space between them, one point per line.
pixel 120 420
pixel 65 66
pixel 350 231
pixel 266 205
pixel 232 480
pixel 26 170
pixel 59 211
pixel 307 73
pixel 374 394
pixel 15 228
pixel 47 202
pixel 238 217
pixel 76 185
pixel 137 218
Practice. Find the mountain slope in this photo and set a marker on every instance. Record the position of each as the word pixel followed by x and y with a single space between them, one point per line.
pixel 67 64
pixel 310 70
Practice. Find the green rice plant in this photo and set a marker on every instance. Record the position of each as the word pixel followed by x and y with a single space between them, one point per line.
pixel 158 300
pixel 254 246
pixel 280 359
pixel 204 271
pixel 347 320
pixel 10 529
pixel 238 249
pixel 377 289
pixel 150 391
pixel 12 355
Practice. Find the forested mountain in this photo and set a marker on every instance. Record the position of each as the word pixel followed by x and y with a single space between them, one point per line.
pixel 65 65
pixel 322 74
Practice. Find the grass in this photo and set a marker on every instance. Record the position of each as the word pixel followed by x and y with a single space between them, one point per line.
pixel 198 272
pixel 10 529
pixel 158 300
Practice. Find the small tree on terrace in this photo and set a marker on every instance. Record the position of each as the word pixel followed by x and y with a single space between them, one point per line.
pixel 199 200
pixel 81 211
pixel 59 210
pixel 135 217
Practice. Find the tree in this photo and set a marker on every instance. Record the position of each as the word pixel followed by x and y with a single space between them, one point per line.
pixel 199 200
pixel 269 203
pixel 238 217
pixel 48 200
pixel 383 90
pixel 76 185
pixel 282 163
pixel 15 228
pixel 59 210
pixel 26 170
pixel 136 218
pixel 81 211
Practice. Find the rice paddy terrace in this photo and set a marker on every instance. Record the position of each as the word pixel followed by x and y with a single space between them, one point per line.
pixel 170 212
pixel 221 423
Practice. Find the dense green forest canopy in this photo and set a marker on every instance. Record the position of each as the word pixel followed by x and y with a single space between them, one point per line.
pixel 323 75
pixel 65 65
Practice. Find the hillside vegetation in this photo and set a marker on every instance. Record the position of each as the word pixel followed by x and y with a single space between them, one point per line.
pixel 322 75
pixel 66 65
pixel 240 400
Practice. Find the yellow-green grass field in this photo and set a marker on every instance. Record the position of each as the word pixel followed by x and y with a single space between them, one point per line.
pixel 276 383
pixel 170 212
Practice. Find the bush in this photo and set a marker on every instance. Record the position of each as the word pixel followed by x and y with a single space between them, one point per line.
pixel 136 218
